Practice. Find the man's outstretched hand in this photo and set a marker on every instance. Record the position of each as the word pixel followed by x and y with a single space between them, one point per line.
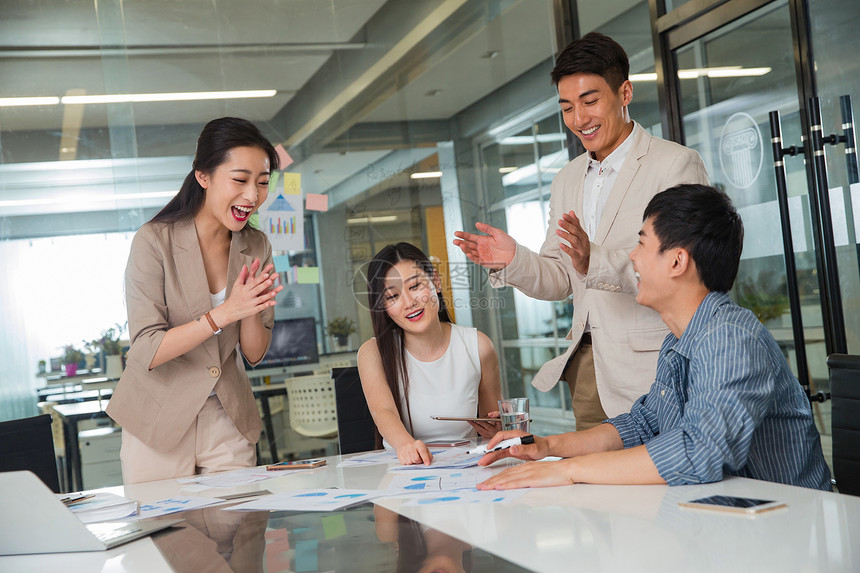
pixel 493 250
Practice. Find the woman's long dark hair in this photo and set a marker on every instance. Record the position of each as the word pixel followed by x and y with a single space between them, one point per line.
pixel 389 336
pixel 218 137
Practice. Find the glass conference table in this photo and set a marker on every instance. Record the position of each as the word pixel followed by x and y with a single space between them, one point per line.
pixel 572 528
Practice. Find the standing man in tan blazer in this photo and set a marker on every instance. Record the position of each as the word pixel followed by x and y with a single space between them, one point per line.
pixel 596 207
pixel 199 289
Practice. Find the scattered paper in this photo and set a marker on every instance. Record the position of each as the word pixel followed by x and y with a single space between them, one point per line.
pixel 451 458
pixel 385 457
pixel 310 500
pixel 466 496
pixel 176 504
pixel 234 478
pixel 446 479
pixel 102 507
pixel 413 484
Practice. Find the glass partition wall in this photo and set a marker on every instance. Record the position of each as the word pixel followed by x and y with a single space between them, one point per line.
pixel 377 103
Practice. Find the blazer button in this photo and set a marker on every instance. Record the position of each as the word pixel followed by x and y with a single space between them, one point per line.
pixel 214 372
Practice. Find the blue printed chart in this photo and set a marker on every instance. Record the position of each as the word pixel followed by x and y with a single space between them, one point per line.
pixel 466 496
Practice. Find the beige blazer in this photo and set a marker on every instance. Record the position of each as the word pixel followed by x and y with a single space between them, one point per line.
pixel 625 335
pixel 166 286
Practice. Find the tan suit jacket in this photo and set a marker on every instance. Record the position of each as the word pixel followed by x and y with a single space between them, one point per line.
pixel 166 286
pixel 626 336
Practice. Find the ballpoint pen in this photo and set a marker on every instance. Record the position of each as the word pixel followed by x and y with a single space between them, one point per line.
pixel 73 500
pixel 505 444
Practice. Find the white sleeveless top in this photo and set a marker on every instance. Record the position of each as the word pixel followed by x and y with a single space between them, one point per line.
pixel 447 386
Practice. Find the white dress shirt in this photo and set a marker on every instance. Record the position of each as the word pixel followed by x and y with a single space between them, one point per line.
pixel 599 179
pixel 600 176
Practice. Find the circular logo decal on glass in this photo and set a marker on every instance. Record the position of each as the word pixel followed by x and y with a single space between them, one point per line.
pixel 741 150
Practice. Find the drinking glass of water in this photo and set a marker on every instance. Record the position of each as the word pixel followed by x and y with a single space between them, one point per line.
pixel 514 413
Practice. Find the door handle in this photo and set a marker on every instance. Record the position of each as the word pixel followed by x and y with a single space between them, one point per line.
pixel 779 153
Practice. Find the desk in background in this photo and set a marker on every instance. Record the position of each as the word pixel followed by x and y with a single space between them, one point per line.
pixel 71 415
pixel 574 528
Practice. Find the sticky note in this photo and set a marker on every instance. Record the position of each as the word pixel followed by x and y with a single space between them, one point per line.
pixel 306 556
pixel 292 183
pixel 308 275
pixel 316 202
pixel 273 181
pixel 283 157
pixel 333 526
pixel 282 263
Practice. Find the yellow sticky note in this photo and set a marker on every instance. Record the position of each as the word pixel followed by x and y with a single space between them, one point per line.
pixel 308 275
pixel 292 183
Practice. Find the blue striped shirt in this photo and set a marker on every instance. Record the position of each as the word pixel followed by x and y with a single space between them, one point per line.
pixel 724 402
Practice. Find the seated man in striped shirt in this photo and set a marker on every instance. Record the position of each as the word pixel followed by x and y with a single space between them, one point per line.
pixel 724 402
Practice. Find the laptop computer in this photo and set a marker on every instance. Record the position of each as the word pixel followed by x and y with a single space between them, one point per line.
pixel 33 520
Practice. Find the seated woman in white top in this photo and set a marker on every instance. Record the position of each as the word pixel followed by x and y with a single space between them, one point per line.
pixel 419 364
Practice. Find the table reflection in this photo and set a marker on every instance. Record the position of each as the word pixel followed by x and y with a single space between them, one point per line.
pixel 363 538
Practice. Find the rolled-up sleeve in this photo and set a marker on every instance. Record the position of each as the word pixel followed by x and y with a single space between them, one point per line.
pixel 729 385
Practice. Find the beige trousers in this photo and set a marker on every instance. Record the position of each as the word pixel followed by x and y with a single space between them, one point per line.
pixel 580 376
pixel 211 444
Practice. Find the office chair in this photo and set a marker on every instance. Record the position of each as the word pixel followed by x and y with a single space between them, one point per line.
pixel 356 430
pixel 312 406
pixel 845 408
pixel 28 444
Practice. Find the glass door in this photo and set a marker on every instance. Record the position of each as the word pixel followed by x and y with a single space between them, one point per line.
pixel 799 268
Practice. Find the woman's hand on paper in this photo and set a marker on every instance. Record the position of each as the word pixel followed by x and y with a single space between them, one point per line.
pixel 415 452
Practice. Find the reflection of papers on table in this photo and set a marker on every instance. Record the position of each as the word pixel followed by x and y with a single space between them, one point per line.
pixel 176 504
pixel 310 500
pixel 466 496
pixel 102 507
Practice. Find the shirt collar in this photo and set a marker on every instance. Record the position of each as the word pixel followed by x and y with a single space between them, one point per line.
pixel 615 159
pixel 707 308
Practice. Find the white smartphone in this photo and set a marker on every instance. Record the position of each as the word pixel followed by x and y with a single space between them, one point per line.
pixel 742 505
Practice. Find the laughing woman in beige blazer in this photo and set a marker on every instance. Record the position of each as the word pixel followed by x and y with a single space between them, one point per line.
pixel 199 290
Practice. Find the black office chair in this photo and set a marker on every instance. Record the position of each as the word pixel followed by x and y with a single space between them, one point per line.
pixel 28 444
pixel 845 407
pixel 356 431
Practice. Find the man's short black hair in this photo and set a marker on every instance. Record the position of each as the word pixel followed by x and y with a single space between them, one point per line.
pixel 594 53
pixel 703 221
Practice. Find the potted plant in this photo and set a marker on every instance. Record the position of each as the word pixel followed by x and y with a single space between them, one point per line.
pixel 109 345
pixel 71 357
pixel 340 328
pixel 43 366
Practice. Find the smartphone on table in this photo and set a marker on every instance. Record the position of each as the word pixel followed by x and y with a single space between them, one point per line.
pixel 297 465
pixel 464 419
pixel 738 505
